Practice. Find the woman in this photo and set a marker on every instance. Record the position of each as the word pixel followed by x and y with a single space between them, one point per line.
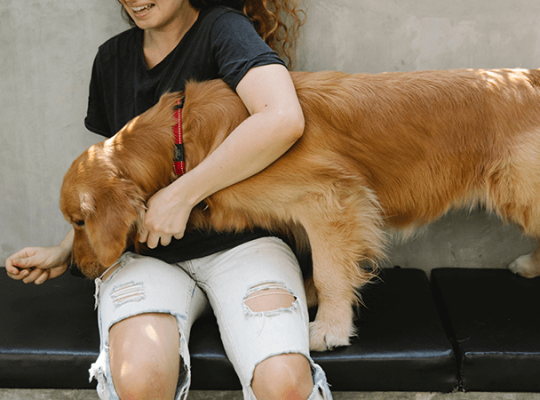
pixel 251 280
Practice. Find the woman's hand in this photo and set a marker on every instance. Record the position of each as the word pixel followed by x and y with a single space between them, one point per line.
pixel 37 264
pixel 166 217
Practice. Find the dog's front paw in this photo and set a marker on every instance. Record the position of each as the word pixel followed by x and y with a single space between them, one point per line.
pixel 525 266
pixel 324 336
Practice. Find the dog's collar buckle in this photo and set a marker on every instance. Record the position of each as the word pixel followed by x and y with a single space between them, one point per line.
pixel 179 160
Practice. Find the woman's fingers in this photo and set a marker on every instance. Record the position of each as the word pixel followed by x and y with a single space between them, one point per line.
pixel 38 276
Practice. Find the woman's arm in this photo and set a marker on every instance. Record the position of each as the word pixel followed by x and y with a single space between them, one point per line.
pixel 276 122
pixel 39 264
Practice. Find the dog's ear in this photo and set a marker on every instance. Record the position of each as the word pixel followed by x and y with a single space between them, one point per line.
pixel 111 215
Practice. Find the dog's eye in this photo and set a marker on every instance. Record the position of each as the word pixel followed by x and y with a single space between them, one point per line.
pixel 79 223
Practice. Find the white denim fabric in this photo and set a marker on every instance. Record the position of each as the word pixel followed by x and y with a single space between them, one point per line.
pixel 221 281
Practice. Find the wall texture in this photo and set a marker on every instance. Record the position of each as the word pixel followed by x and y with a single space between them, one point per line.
pixel 47 48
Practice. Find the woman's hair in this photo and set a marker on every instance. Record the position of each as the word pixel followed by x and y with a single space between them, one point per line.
pixel 278 22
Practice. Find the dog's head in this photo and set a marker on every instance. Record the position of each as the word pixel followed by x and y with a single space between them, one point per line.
pixel 104 192
pixel 104 208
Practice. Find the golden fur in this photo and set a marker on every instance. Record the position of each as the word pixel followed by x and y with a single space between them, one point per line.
pixel 394 150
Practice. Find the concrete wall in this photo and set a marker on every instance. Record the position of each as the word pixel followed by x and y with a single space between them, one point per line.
pixel 47 48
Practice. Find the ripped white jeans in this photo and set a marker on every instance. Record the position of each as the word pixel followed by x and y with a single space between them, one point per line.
pixel 222 281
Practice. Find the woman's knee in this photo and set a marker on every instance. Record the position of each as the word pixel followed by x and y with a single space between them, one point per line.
pixel 285 376
pixel 144 356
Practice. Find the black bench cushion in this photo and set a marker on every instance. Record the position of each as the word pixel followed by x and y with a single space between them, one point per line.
pixel 49 338
pixel 48 335
pixel 495 322
pixel 401 344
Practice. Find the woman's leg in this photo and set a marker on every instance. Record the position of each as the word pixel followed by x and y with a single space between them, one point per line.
pixel 144 353
pixel 146 310
pixel 256 291
pixel 285 376
pixel 292 371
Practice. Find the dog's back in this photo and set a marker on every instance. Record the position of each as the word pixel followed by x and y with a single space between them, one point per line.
pixel 427 141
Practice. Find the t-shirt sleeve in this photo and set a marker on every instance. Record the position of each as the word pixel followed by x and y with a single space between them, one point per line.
pixel 237 48
pixel 96 117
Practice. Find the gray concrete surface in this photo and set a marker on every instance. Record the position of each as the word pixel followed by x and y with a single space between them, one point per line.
pixel 404 35
pixel 11 394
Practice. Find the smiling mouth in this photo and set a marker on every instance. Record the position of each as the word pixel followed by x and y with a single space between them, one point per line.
pixel 142 9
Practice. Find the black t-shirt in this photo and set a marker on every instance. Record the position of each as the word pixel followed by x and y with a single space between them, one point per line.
pixel 222 43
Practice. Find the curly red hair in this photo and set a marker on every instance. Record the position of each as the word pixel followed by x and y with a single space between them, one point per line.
pixel 278 22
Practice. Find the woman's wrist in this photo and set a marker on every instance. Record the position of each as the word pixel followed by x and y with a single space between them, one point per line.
pixel 188 194
pixel 66 246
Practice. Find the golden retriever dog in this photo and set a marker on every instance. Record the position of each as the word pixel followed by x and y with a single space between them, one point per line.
pixel 380 152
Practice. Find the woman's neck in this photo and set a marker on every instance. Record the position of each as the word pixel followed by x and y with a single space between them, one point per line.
pixel 159 42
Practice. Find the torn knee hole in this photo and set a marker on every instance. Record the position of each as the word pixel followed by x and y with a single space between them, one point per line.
pixel 269 297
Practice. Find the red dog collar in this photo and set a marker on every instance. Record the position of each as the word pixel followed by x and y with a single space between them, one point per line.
pixel 179 162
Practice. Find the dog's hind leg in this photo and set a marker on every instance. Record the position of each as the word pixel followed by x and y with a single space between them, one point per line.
pixel 514 190
pixel 527 265
pixel 341 235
